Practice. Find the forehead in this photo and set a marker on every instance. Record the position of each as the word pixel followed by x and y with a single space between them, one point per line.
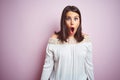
pixel 72 14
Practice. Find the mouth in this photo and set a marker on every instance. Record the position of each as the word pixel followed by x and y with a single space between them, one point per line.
pixel 72 29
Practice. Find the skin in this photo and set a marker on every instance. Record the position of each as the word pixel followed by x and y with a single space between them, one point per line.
pixel 72 21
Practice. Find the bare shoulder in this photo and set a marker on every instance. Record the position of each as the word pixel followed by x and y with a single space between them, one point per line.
pixel 85 35
pixel 53 39
pixel 54 36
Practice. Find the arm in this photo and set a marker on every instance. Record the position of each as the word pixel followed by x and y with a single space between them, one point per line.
pixel 48 65
pixel 89 63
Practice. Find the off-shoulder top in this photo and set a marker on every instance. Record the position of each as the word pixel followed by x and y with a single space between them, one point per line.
pixel 68 61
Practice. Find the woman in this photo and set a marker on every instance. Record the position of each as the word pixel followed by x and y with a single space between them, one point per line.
pixel 69 51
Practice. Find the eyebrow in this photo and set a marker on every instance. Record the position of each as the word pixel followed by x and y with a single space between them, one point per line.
pixel 74 16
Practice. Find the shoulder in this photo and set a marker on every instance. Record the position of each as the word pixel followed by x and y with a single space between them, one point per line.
pixel 87 40
pixel 53 39
pixel 85 34
pixel 54 36
pixel 86 37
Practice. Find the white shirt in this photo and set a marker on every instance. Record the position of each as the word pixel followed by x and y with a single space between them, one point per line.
pixel 68 61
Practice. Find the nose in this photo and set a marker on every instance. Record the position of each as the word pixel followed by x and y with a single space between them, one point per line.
pixel 72 22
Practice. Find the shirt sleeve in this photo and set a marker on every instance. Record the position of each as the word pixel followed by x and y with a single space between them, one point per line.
pixel 89 62
pixel 48 64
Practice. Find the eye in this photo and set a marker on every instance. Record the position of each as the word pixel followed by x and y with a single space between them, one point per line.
pixel 68 18
pixel 75 18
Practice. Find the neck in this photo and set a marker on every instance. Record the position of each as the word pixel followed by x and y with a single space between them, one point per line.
pixel 71 37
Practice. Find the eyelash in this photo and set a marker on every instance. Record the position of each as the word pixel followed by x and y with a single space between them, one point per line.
pixel 75 18
pixel 70 18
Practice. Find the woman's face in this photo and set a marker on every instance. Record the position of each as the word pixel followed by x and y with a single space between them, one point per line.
pixel 72 21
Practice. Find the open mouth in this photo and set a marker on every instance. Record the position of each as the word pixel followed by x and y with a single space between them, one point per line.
pixel 72 29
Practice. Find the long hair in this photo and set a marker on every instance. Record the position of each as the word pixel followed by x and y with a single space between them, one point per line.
pixel 63 34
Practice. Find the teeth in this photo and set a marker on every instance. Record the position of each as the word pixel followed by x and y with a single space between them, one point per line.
pixel 72 29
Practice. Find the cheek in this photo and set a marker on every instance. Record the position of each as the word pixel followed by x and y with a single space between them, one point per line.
pixel 67 23
pixel 77 24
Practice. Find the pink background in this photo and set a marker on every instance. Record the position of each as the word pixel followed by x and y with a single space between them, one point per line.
pixel 25 27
